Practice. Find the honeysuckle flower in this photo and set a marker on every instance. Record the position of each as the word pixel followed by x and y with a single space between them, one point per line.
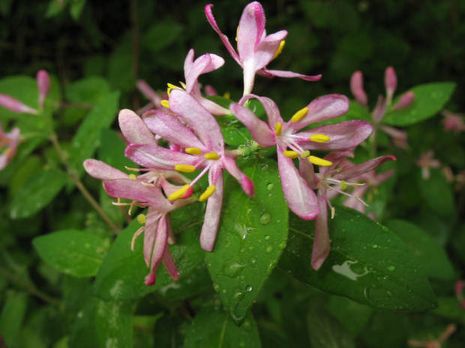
pixel 426 162
pixel 15 105
pixel 193 68
pixel 8 145
pixel 331 180
pixel 453 122
pixel 255 49
pixel 199 145
pixel 383 104
pixel 293 141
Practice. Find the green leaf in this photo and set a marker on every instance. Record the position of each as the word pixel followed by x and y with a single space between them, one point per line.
pixel 251 238
pixel 87 138
pixel 12 317
pixel 368 263
pixel 215 329
pixel 122 274
pixel 76 8
pixel 161 35
pixel 72 252
pixel 88 90
pixel 111 149
pixel 353 316
pixel 431 256
pixel 437 193
pixel 430 98
pixel 37 193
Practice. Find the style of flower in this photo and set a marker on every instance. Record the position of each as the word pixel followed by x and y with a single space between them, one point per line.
pixel 255 49
pixel 292 141
pixel 383 104
pixel 146 190
pixel 196 143
pixel 453 122
pixel 12 104
pixel 426 162
pixel 8 145
pixel 328 182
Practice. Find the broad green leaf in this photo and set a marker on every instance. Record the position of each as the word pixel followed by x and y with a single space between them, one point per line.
pixel 88 90
pixel 368 263
pixel 430 98
pixel 37 193
pixel 122 274
pixel 251 238
pixel 215 329
pixel 119 72
pixel 431 256
pixel 353 316
pixel 324 330
pixel 12 317
pixel 161 35
pixel 111 149
pixel 72 252
pixel 437 193
pixel 87 138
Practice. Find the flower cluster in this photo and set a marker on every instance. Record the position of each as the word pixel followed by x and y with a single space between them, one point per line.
pixel 179 135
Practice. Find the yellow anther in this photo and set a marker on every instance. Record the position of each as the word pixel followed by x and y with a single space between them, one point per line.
pixel 211 156
pixel 290 154
pixel 141 218
pixel 319 138
pixel 280 48
pixel 300 114
pixel 178 193
pixel 343 185
pixel 207 193
pixel 132 176
pixel 193 150
pixel 170 88
pixel 305 154
pixel 165 103
pixel 319 161
pixel 184 168
pixel 278 128
pixel 183 85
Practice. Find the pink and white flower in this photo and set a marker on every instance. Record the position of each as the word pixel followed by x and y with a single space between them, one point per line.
pixel 8 145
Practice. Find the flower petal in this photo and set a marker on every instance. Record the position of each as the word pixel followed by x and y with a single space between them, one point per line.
pixel 321 243
pixel 157 157
pixel 344 135
pixel 260 130
pixel 271 109
pixel 211 19
pixel 250 30
pixel 300 198
pixel 266 50
pixel 171 129
pixel 202 65
pixel 245 182
pixel 351 171
pixel 134 129
pixel 288 74
pixel 197 118
pixel 155 244
pixel 101 170
pixel 169 264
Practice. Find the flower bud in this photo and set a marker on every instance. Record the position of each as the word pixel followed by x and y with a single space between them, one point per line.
pixel 405 100
pixel 15 105
pixel 390 82
pixel 356 86
pixel 43 85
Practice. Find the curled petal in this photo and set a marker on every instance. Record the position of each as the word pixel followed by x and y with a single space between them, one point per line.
pixel 246 184
pixel 270 107
pixel 351 171
pixel 289 74
pixel 211 19
pixel 321 243
pixel 343 135
pixel 202 65
pixel 101 170
pixel 259 129
pixel 301 199
pixel 15 105
pixel 43 85
pixel 134 129
pixel 250 30
pixel 357 89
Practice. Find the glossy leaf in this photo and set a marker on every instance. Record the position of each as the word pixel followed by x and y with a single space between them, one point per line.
pixel 87 90
pixel 430 98
pixel 73 252
pixel 252 236
pixel 368 263
pixel 37 193
pixel 437 193
pixel 215 329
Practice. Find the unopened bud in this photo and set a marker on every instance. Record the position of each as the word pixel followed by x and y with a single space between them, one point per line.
pixel 356 86
pixel 405 100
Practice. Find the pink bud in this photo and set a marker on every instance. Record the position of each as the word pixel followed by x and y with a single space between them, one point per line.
pixel 356 86
pixel 15 105
pixel 405 100
pixel 150 279
pixel 210 90
pixel 148 92
pixel 43 85
pixel 247 185
pixel 390 82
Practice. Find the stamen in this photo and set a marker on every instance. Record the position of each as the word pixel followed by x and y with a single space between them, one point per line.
pixel 211 156
pixel 134 237
pixel 141 218
pixel 132 169
pixel 319 138
pixel 193 150
pixel 131 206
pixel 290 154
pixel 299 115
pixel 170 88
pixel 184 168
pixel 178 194
pixel 305 154
pixel 278 128
pixel 207 193
pixel 280 48
pixel 132 177
pixel 183 85
pixel 319 161
pixel 165 103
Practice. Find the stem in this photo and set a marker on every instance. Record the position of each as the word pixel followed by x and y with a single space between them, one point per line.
pixel 75 179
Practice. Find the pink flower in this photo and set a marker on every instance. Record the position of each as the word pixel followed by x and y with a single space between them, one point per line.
pixel 196 143
pixel 255 49
pixel 330 181
pixel 294 143
pixel 8 145
pixel 427 162
pixel 453 122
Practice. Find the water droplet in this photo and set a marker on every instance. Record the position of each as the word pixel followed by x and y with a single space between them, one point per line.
pixel 265 219
pixel 233 269
pixel 391 268
pixel 269 249
pixel 375 246
pixel 267 237
pixel 253 261
pixel 269 187
pixel 248 288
